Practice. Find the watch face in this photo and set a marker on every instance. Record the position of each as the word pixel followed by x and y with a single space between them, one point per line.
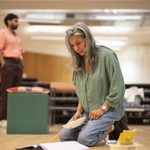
pixel 104 107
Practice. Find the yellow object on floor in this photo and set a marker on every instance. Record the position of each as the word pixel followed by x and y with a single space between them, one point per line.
pixel 127 137
pixel 126 141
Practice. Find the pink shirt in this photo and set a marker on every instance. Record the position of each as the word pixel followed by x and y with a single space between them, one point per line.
pixel 10 44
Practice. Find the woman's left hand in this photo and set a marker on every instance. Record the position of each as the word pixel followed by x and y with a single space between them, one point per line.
pixel 95 114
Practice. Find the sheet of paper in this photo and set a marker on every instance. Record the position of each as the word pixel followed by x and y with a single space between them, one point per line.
pixel 69 145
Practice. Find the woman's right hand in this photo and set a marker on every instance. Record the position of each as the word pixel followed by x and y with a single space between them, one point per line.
pixel 77 115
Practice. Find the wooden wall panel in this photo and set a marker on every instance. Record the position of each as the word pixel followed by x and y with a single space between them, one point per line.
pixel 47 67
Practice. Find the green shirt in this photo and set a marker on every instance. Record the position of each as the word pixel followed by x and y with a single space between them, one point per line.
pixel 104 83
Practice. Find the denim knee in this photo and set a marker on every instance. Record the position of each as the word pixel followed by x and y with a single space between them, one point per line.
pixel 62 135
pixel 66 135
pixel 85 140
pixel 90 140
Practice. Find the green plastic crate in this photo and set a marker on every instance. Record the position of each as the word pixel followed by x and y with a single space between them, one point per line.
pixel 27 113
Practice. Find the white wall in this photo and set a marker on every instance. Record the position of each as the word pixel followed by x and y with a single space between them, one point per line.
pixel 135 63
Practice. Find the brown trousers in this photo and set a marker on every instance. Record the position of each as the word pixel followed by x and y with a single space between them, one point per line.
pixel 11 76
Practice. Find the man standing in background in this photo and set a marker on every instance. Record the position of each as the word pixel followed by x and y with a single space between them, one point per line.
pixel 10 60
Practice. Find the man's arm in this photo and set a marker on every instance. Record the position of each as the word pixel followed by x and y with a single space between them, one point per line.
pixel 2 62
pixel 2 45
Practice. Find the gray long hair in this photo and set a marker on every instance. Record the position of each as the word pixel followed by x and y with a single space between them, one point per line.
pixel 78 62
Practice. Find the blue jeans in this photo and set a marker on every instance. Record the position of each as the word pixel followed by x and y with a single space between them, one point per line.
pixel 92 132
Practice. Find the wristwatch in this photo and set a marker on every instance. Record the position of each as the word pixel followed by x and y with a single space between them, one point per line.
pixel 104 107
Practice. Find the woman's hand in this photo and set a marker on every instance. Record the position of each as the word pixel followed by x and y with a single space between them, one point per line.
pixel 77 115
pixel 95 114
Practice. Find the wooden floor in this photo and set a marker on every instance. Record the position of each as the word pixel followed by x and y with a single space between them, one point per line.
pixel 12 141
